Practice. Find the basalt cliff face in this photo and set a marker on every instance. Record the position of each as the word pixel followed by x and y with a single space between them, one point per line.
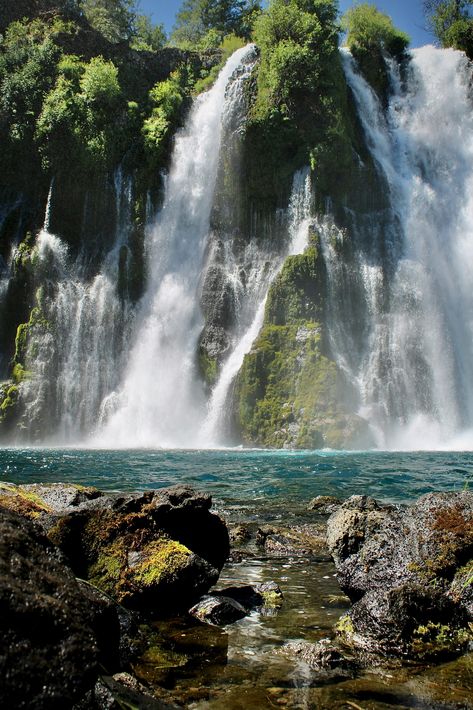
pixel 275 262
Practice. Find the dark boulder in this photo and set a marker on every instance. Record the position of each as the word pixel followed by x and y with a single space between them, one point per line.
pixel 406 571
pixel 48 653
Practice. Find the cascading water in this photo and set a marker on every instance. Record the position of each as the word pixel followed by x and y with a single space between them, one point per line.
pixel 75 357
pixel 161 401
pixel 299 213
pixel 414 369
pixel 399 309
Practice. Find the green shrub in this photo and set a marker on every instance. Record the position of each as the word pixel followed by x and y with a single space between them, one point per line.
pixel 166 98
pixel 99 83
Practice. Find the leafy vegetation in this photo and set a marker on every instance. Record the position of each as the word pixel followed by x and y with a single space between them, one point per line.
pixel 301 113
pixel 27 70
pixel 166 98
pixel 64 107
pixel 112 18
pixel 146 36
pixel 451 22
pixel 370 36
pixel 368 28
pixel 204 22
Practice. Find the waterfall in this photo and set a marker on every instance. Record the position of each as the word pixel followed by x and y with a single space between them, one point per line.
pixel 299 212
pixel 161 401
pixel 414 367
pixel 74 361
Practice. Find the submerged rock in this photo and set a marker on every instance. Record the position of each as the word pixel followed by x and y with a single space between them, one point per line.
pixel 325 658
pixel 218 610
pixel 233 603
pixel 325 505
pixel 122 691
pixel 157 550
pixel 271 594
pixel 294 541
pixel 49 653
pixel 406 572
pixel 255 596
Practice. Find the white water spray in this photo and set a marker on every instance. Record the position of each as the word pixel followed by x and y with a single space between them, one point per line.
pixel 161 402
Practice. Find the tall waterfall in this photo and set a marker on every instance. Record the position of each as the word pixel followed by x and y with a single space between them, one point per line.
pixel 161 401
pixel 299 213
pixel 414 367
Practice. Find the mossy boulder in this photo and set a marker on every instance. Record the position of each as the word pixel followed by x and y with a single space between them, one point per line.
pixel 158 550
pixel 406 570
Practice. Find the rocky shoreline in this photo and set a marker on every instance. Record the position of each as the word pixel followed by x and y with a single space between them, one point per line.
pixel 86 577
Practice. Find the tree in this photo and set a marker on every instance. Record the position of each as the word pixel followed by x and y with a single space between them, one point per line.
pixel 197 17
pixel 368 28
pixel 451 22
pixel 114 19
pixel 147 36
pixel 27 71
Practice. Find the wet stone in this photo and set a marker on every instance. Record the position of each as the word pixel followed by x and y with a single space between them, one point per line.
pixel 325 505
pixel 296 541
pixel 218 610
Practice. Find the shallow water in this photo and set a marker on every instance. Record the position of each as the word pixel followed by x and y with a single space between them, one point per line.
pixel 242 666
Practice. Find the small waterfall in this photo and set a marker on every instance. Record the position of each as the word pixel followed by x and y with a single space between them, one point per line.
pixel 299 212
pixel 75 361
pixel 414 369
pixel 161 401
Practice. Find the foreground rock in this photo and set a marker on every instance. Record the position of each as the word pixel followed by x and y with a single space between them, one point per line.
pixel 218 610
pixel 408 572
pixel 48 653
pixel 158 550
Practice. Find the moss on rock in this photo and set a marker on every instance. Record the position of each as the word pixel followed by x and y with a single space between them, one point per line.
pixel 290 392
pixel 22 501
pixel 434 640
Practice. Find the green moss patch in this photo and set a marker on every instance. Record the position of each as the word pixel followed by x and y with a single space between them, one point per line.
pixel 125 567
pixel 437 640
